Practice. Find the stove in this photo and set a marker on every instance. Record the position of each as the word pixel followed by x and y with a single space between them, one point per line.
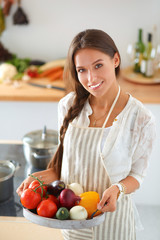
pixel 12 206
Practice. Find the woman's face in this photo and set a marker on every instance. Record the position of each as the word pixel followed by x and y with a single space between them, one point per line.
pixel 95 70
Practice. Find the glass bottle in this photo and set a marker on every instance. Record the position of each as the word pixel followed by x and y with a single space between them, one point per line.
pixel 139 50
pixel 147 65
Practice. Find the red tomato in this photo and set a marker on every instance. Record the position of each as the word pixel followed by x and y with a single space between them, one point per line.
pixel 32 73
pixel 54 199
pixel 47 208
pixel 35 184
pixel 30 199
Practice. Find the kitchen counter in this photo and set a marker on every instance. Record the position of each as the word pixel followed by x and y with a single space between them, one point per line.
pixel 26 92
pixel 19 228
pixel 145 93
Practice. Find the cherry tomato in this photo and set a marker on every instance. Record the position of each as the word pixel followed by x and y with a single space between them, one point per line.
pixel 47 208
pixel 32 73
pixel 30 199
pixel 35 184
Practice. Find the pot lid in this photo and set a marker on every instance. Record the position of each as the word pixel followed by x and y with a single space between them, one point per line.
pixel 41 138
pixel 6 169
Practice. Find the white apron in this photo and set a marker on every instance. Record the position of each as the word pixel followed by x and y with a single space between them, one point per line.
pixel 83 163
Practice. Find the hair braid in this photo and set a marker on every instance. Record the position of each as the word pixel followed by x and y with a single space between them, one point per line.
pixel 73 112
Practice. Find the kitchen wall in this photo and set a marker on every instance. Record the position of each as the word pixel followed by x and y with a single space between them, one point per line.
pixel 52 27
pixel 53 23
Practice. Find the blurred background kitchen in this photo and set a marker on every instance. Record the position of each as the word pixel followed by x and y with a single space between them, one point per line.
pixel 42 31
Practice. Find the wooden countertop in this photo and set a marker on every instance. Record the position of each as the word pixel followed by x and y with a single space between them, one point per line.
pixel 19 228
pixel 147 90
pixel 145 93
pixel 26 92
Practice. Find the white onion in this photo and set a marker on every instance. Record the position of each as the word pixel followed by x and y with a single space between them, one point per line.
pixel 78 213
pixel 76 188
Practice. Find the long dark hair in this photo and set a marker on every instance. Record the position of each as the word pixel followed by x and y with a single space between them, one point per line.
pixel 90 38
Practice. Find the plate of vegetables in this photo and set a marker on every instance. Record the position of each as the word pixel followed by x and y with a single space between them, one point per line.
pixel 59 206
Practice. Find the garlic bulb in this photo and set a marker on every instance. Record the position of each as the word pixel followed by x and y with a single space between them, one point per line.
pixel 78 213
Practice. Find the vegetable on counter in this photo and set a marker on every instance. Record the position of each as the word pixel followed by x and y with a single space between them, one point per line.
pixel 52 64
pixel 53 73
pixel 7 71
pixel 20 63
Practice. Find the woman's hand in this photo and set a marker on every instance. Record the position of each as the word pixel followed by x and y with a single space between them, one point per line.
pixel 24 185
pixel 47 176
pixel 109 199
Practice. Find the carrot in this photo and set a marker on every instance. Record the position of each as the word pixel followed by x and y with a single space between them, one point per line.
pixel 47 72
pixel 55 76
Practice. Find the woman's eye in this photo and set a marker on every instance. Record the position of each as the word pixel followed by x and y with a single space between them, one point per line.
pixel 80 70
pixel 98 65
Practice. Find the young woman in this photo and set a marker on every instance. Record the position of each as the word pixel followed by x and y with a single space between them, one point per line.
pixel 106 136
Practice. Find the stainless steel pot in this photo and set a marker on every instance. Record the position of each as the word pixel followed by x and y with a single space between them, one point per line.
pixel 39 147
pixel 7 170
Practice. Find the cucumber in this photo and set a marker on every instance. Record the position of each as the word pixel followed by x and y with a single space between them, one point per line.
pixel 62 213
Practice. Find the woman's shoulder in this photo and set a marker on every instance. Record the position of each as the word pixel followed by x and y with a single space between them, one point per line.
pixel 63 106
pixel 67 100
pixel 140 110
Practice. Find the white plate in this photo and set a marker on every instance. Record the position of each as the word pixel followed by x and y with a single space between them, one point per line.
pixel 63 224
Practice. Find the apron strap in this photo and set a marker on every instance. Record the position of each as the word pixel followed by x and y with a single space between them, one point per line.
pixel 109 113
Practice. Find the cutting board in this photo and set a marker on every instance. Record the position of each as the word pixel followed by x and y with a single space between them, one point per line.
pixel 27 92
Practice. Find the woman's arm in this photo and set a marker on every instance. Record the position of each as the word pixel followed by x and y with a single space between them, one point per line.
pixel 110 195
pixel 139 165
pixel 131 184
pixel 47 176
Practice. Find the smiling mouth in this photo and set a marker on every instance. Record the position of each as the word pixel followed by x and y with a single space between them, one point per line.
pixel 96 86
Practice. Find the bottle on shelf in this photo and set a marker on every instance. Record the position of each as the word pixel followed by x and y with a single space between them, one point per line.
pixel 139 50
pixel 147 64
